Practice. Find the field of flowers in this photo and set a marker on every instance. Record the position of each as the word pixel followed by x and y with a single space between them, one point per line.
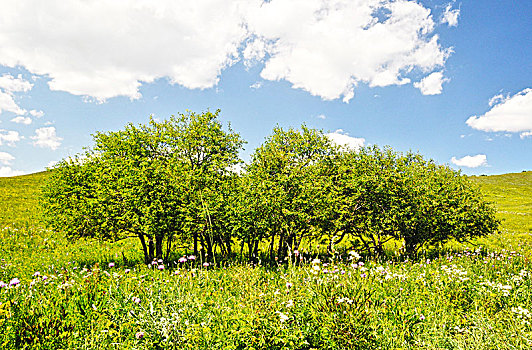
pixel 85 295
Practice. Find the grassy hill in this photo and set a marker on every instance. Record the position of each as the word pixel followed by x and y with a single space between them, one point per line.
pixel 512 195
pixel 19 199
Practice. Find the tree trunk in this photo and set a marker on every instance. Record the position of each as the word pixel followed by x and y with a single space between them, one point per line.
pixel 272 245
pixel 144 249
pixel 168 247
pixel 208 245
pixel 256 249
pixel 228 246
pixel 151 249
pixel 159 246
pixel 250 251
pixel 280 248
pixel 195 243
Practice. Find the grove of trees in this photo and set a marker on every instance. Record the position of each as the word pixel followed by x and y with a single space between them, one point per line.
pixel 176 182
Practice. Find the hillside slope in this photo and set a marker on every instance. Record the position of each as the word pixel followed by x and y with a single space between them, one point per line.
pixel 19 198
pixel 512 195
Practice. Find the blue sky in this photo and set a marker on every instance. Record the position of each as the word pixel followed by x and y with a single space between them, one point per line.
pixel 452 80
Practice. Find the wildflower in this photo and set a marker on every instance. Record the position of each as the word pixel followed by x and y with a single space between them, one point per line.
pixel 191 257
pixel 182 259
pixel 288 285
pixel 136 300
pixel 14 282
pixel 523 314
pixel 363 275
pixel 282 316
pixel 36 274
pixel 111 265
pixel 316 261
pixel 176 272
pixel 296 252
pixel 422 318
pixel 354 255
pixel 139 335
pixel 160 267
pixel 205 264
pixel 160 261
pixel 127 271
pixel 44 278
pixel 290 303
pixel 2 284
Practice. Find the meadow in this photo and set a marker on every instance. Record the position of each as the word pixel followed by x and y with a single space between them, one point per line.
pixel 86 294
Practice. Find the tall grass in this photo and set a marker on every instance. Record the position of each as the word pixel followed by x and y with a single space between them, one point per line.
pixel 85 294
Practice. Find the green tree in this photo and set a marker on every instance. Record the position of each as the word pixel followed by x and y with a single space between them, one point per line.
pixel 382 195
pixel 154 181
pixel 286 185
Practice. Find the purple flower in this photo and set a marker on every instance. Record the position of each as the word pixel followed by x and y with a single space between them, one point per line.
pixel 139 335
pixel 363 275
pixel 422 318
pixel 127 271
pixel 136 300
pixel 44 278
pixel 111 265
pixel 191 257
pixel 14 282
pixel 205 264
pixel 2 284
pixel 160 261
pixel 160 267
pixel 36 274
pixel 182 259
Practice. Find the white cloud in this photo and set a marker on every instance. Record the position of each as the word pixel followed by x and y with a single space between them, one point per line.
pixel 450 16
pixel 7 103
pixel 46 137
pixel 256 85
pixel 525 134
pixel 327 48
pixel 6 158
pixel 471 161
pixel 9 137
pixel 9 85
pixel 322 116
pixel 431 84
pixel 36 113
pixel 6 171
pixel 104 49
pixel 510 114
pixel 341 138
pixel 21 120
pixel 12 84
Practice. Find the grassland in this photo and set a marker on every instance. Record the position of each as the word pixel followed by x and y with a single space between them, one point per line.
pixel 512 196
pixel 92 295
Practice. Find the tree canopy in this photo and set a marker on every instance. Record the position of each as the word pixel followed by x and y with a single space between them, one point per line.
pixel 172 182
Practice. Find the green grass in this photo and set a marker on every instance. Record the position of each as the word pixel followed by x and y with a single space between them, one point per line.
pixel 19 199
pixel 512 196
pixel 467 299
